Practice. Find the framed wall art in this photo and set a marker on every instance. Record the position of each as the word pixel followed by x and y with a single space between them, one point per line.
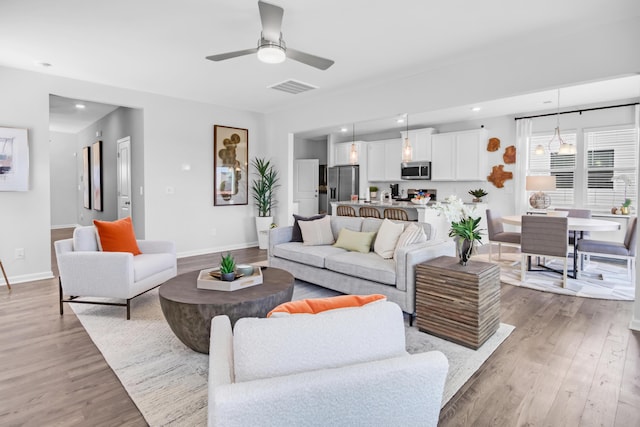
pixel 96 175
pixel 86 177
pixel 230 165
pixel 14 159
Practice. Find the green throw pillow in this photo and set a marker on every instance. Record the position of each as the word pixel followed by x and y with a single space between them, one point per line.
pixel 359 241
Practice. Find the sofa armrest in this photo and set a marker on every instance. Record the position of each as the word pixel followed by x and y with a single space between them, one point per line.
pixel 279 235
pixel 220 358
pixel 156 246
pixel 408 257
pixel 97 274
pixel 404 390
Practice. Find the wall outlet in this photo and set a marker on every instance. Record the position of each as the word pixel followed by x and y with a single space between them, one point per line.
pixel 19 253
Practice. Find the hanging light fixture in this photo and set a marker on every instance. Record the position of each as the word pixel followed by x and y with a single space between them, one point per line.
pixel 353 154
pixel 407 150
pixel 557 144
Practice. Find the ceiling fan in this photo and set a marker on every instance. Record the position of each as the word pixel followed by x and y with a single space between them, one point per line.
pixel 271 47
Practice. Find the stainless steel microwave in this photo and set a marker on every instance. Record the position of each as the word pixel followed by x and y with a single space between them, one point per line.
pixel 415 170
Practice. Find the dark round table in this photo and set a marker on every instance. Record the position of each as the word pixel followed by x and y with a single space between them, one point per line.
pixel 189 310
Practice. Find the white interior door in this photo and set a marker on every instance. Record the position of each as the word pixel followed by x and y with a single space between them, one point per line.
pixel 305 185
pixel 123 167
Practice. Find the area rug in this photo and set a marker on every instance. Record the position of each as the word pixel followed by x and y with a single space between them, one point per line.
pixel 168 381
pixel 599 279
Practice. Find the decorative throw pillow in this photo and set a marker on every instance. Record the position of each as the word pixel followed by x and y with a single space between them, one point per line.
pixel 388 235
pixel 318 305
pixel 296 235
pixel 413 234
pixel 359 241
pixel 117 236
pixel 316 232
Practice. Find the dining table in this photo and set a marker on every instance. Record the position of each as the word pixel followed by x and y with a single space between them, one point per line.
pixel 576 225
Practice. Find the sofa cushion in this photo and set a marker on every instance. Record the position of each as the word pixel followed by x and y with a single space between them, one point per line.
pixel 412 234
pixel 319 305
pixel 146 265
pixel 308 255
pixel 117 236
pixel 317 232
pixel 355 240
pixel 366 266
pixel 85 239
pixel 296 233
pixel 350 222
pixel 387 237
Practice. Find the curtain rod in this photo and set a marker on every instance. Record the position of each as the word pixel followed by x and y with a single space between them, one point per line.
pixel 578 111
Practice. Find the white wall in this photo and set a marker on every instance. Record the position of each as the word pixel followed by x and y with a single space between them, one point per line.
pixel 176 132
pixel 64 161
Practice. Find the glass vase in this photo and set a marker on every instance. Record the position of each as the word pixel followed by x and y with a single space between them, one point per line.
pixel 464 248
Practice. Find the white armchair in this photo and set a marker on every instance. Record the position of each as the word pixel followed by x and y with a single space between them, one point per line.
pixel 85 271
pixel 340 367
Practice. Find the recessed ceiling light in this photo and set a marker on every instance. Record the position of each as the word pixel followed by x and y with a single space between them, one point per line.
pixel 343 129
pixel 400 120
pixel 81 106
pixel 43 64
pixel 475 109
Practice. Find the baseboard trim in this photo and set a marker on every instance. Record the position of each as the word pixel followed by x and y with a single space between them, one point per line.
pixel 45 275
pixel 635 324
pixel 206 251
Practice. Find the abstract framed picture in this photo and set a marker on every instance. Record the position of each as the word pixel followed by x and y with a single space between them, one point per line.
pixel 96 175
pixel 230 165
pixel 14 159
pixel 86 177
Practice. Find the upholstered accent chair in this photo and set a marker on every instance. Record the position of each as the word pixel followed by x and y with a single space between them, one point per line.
pixel 341 367
pixel 544 236
pixel 86 271
pixel 625 250
pixel 495 230
pixel 344 210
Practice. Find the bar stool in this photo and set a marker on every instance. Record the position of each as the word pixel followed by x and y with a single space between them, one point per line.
pixel 369 212
pixel 395 213
pixel 5 275
pixel 344 210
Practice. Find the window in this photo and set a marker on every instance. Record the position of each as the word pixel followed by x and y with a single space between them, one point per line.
pixel 563 167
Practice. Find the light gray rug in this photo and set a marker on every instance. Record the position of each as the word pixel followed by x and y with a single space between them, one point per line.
pixel 168 381
pixel 598 280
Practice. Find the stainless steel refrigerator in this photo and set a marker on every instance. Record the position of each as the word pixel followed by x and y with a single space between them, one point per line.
pixel 343 181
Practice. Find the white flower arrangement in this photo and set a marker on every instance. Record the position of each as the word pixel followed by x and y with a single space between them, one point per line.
pixel 455 210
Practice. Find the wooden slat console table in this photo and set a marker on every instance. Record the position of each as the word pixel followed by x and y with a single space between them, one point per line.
pixel 458 303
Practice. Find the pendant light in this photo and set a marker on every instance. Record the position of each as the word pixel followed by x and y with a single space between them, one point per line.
pixel 353 154
pixel 407 150
pixel 557 144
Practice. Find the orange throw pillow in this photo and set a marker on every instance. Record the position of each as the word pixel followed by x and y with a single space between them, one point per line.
pixel 117 236
pixel 317 305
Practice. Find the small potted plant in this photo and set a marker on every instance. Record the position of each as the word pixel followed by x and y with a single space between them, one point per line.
pixel 373 191
pixel 478 195
pixel 625 207
pixel 228 268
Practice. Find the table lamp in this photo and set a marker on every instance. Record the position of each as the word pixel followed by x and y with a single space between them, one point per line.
pixel 540 200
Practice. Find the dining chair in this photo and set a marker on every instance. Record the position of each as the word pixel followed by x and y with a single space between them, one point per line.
pixel 369 212
pixel 577 213
pixel 496 232
pixel 544 236
pixel 395 213
pixel 344 210
pixel 621 250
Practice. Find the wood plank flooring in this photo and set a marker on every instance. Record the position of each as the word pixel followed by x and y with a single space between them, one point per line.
pixel 569 362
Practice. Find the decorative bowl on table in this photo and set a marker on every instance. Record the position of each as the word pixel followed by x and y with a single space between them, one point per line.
pixel 422 201
pixel 244 269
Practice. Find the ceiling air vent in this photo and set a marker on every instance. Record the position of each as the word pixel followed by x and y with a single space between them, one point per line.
pixel 293 86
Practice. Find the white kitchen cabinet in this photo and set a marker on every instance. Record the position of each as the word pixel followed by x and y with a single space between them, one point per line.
pixel 420 140
pixel 459 156
pixel 342 151
pixel 383 160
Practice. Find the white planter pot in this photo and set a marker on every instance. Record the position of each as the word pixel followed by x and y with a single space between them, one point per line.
pixel 263 224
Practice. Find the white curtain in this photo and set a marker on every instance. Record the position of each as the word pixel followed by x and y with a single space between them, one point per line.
pixel 524 128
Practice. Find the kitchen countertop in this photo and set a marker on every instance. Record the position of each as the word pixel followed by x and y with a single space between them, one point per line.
pixel 379 204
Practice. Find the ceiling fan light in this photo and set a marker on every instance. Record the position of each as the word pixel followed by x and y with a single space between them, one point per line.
pixel 271 54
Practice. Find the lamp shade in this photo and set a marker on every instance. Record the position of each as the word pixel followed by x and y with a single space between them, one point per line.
pixel 541 183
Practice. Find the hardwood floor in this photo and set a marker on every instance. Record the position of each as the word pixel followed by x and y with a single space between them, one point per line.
pixel 569 362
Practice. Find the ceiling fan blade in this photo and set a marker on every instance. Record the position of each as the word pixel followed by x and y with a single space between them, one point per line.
pixel 306 58
pixel 229 55
pixel 271 17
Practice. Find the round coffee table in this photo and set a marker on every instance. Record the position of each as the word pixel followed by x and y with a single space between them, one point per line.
pixel 189 310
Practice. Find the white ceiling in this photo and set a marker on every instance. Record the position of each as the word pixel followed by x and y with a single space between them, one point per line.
pixel 159 46
pixel 65 116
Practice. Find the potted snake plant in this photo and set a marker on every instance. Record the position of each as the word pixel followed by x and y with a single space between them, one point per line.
pixel 263 189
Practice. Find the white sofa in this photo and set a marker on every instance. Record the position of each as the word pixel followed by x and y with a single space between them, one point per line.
pixel 344 367
pixel 85 271
pixel 355 272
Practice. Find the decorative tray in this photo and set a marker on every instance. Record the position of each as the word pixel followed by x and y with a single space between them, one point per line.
pixel 207 280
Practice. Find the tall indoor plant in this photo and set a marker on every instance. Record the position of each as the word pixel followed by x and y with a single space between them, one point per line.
pixel 263 188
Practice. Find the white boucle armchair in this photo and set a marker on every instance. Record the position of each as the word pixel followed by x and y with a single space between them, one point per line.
pixel 344 367
pixel 85 271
